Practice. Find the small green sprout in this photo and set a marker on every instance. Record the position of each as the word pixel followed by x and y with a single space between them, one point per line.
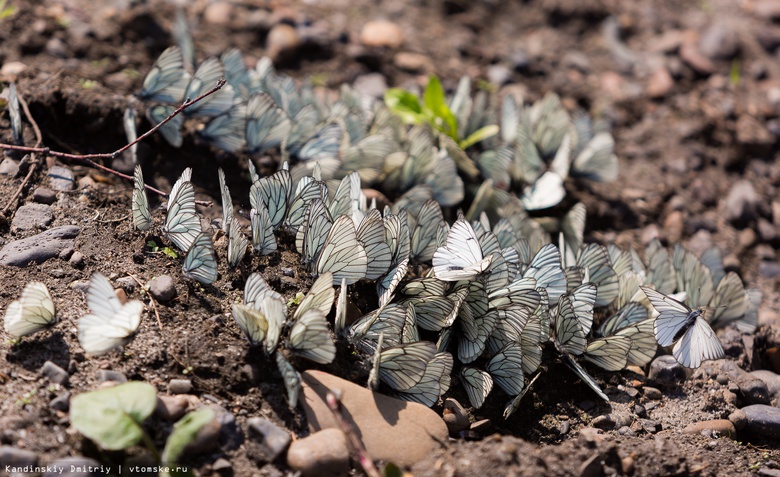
pixel 6 10
pixel 165 250
pixel 87 83
pixel 296 300
pixel 26 398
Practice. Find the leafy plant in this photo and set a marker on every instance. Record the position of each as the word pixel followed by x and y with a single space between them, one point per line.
pixel 184 432
pixel 157 249
pixel 6 10
pixel 435 111
pixel 296 300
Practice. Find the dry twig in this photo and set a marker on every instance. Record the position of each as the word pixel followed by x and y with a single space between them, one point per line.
pixel 357 446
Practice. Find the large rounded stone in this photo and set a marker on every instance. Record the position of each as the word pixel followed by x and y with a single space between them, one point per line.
pixel 323 453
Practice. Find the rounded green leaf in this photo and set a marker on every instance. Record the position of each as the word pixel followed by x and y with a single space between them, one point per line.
pixel 185 432
pixel 112 417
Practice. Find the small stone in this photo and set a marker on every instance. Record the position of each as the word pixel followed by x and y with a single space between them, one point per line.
pixel 739 419
pixel 666 371
pixel 162 288
pixel 271 439
pixel 222 465
pixel 105 375
pixel 282 42
pixel 12 69
pixel 33 216
pixel 591 467
pixel 769 269
pixel 455 416
pixel 481 426
pixel 86 182
pixel 753 390
pixel 499 74
pixel 11 456
pixel 762 420
pixel 740 203
pixel 77 259
pixel 771 379
pixel 627 431
pixel 54 373
pixel 206 440
pixel 371 84
pixel 411 62
pixel 218 13
pixel 180 386
pixel 640 410
pixel 747 238
pixel 127 283
pixel 9 167
pixel 381 33
pixel 61 402
pixel 38 248
pixel 660 83
pixel 74 467
pixel 171 408
pixel 766 230
pixel 627 465
pixel 606 422
pixel 753 132
pixel 80 285
pixel 719 41
pixel 323 453
pixel 730 397
pixel 650 426
pixel 60 178
pixel 674 224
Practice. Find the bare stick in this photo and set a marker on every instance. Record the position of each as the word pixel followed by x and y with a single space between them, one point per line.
pixel 363 458
pixel 89 158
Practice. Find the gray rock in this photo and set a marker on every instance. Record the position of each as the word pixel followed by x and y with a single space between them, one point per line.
pixel 719 41
pixel 753 389
pixel 271 439
pixel 77 259
pixel 650 426
pixel 162 288
pixel 762 420
pixel 38 248
pixel 499 74
pixel 44 195
pixel 80 285
pixel 61 178
pixel 127 283
pixel 714 427
pixel 739 419
pixel 771 379
pixel 653 393
pixel 33 216
pixel 54 373
pixel 75 467
pixel 113 376
pixel 456 418
pixel 740 203
pixel 230 435
pixel 323 453
pixel 666 371
pixel 371 84
pixel 57 273
pixel 61 402
pixel 9 167
pixel 606 422
pixel 17 457
pixel 180 386
pixel 222 465
pixel 769 269
pixel 171 408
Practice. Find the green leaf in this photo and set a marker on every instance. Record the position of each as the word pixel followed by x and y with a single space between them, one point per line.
pixel 404 104
pixel 479 135
pixel 184 432
pixel 391 470
pixel 170 252
pixel 112 417
pixel 436 102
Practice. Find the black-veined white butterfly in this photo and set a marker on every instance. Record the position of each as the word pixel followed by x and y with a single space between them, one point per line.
pixel 200 263
pixel 506 368
pixel 340 321
pixel 15 114
pixel 171 130
pixel 310 337
pixel 319 297
pixel 263 238
pixel 594 259
pixel 514 403
pixel 388 322
pixel 226 131
pixel 205 78
pixel 274 192
pixel 32 312
pixel 461 258
pixel 434 383
pixel 251 322
pixel 546 269
pixel 292 379
pixel 167 80
pixel 313 231
pixel 182 224
pixel 111 323
pixel 371 234
pixel 142 214
pixel 227 202
pixel 385 287
pixel 693 339
pixel 478 384
pixel 403 366
pixel 342 254
pixel 256 290
pixel 266 125
pixel 424 237
pixel 237 244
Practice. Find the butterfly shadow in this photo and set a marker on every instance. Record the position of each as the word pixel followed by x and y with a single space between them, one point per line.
pixel 31 353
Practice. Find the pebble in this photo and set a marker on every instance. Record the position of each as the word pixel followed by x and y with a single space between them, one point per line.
pixel 114 376
pixel 591 467
pixel 771 379
pixel 218 13
pixel 57 273
pixel 666 371
pixel 171 408
pixel 55 373
pixel 86 182
pixel 230 435
pixel 627 465
pixel 691 56
pixel 74 467
pixel 410 436
pixel 13 68
pixel 719 41
pixel 411 62
pixel 381 33
pixel 627 431
pixel 769 269
pixel 271 439
pixel 674 224
pixel 323 453
pixel 739 419
pixel 660 83
pixel 17 457
pixel 499 74
pixel 33 216
pixel 207 439
pixel 162 288
pixel 606 422
pixel 456 418
pixel 371 84
pixel 40 247
pixel 722 427
pixel 61 402
pixel 76 260
pixel 9 167
pixel 60 178
pixel 180 386
pixel 753 132
pixel 740 203
pixel 282 41
pixel 753 389
pixel 127 283
pixel 80 285
pixel 222 465
pixel 481 426
pixel 762 420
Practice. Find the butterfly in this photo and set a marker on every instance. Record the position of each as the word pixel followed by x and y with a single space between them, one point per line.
pixel 237 244
pixel 273 192
pixel 142 214
pixel 200 263
pixel 171 130
pixel 251 322
pixel 15 114
pixel 266 125
pixel 226 131
pixel 310 337
pixel 478 384
pixel 461 258
pixel 434 382
pixel 263 238
pixel 111 323
pixel 693 339
pixel 342 254
pixel 204 79
pixel 182 224
pixel 291 377
pixel 32 312
pixel 227 202
pixel 371 234
pixel 167 80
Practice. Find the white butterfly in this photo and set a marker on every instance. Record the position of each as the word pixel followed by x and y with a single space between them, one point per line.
pixel 273 192
pixel 251 322
pixel 237 244
pixel 506 368
pixel 227 202
pixel 200 263
pixel 167 80
pixel 205 78
pixel 256 290
pixel 340 321
pixel 292 379
pixel 694 341
pixel 310 337
pixel 342 254
pixel 263 238
pixel 266 124
pixel 313 231
pixel 31 313
pixel 478 385
pixel 385 287
pixel 15 114
pixel 111 323
pixel 182 224
pixel 226 131
pixel 434 383
pixel 319 297
pixel 171 130
pixel 142 215
pixel 403 366
pixel 371 234
pixel 461 258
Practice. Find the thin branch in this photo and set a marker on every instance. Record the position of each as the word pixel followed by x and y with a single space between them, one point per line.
pixel 151 299
pixel 33 123
pixel 363 458
pixel 89 158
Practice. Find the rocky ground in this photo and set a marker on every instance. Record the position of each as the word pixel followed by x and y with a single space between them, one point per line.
pixel 692 92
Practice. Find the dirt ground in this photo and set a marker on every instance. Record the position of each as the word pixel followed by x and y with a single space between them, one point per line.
pixel 690 116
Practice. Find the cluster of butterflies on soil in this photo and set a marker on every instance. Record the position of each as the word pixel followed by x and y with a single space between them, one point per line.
pixel 482 296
